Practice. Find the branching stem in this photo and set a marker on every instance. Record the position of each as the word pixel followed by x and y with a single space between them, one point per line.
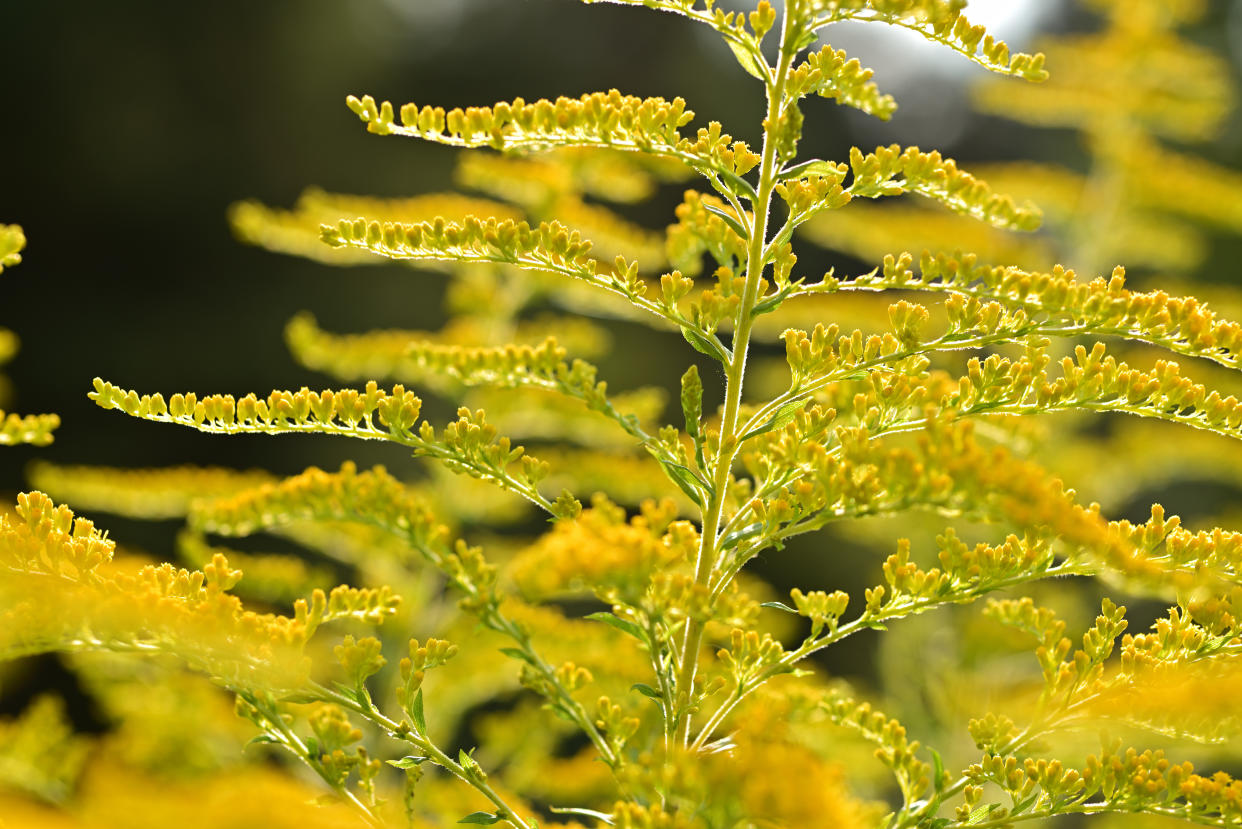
pixel 735 374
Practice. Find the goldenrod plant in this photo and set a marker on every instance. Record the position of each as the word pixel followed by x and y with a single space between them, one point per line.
pixel 624 667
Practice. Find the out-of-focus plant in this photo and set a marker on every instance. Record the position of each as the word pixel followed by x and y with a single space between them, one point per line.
pixel 623 667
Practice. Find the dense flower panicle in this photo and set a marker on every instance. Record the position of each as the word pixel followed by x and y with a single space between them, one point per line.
pixel 1129 781
pixel 372 498
pixel 595 117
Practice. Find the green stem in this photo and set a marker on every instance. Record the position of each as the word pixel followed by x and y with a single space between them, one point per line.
pixel 866 621
pixel 501 624
pixel 400 731
pixel 285 736
pixel 734 377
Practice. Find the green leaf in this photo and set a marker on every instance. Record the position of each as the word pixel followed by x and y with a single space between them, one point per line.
pixel 416 711
pixel 937 767
pixel 686 481
pixel 806 39
pixel 728 218
pixel 692 400
pixel 602 817
pixel 262 738
pixel 518 654
pixel 747 59
pixel 301 697
pixel 741 186
pixel 749 531
pixel 647 691
pixel 981 812
pixel 813 167
pixel 1019 808
pixel 781 417
pixel 779 606
pixel 704 345
pixel 407 762
pixel 485 818
pixel 772 302
pixel 620 624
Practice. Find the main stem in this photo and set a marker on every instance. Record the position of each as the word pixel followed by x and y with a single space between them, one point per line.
pixel 735 373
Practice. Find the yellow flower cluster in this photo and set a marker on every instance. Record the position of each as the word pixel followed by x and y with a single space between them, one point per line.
pixel 1100 306
pixel 890 171
pixel 56 598
pixel 296 231
pixel 604 553
pixel 373 497
pixel 341 412
pixel 831 74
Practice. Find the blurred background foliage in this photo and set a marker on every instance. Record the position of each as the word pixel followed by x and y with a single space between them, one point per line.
pixel 129 129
